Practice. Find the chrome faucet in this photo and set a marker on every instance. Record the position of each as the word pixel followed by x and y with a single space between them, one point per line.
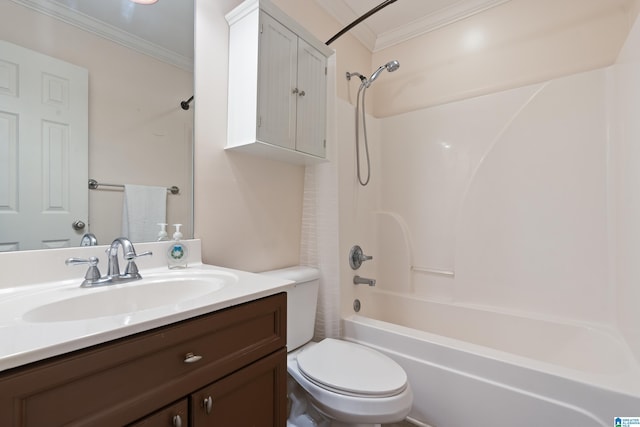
pixel 93 279
pixel 357 280
pixel 89 239
pixel 129 254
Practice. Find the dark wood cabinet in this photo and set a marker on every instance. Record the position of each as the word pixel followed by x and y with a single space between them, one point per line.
pixel 237 356
pixel 249 397
pixel 176 415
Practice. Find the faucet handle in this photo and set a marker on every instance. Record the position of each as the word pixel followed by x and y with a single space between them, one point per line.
pixel 131 270
pixel 93 273
pixel 147 253
pixel 357 257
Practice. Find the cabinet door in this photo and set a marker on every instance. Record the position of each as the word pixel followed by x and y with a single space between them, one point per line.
pixel 312 100
pixel 175 415
pixel 254 396
pixel 277 87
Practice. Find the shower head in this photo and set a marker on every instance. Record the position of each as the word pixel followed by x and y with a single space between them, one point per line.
pixel 390 66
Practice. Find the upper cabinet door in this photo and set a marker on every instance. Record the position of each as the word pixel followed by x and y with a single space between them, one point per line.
pixel 312 100
pixel 277 88
pixel 277 85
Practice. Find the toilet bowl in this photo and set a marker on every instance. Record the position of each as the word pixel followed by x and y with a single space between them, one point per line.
pixel 346 383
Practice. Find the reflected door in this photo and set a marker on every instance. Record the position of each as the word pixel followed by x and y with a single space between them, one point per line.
pixel 43 150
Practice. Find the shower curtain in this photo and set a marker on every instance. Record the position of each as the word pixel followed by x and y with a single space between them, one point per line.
pixel 319 243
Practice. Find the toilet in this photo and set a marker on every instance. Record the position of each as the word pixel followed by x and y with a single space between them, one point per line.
pixel 335 383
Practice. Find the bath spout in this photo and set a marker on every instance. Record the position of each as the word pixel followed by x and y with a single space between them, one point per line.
pixel 357 280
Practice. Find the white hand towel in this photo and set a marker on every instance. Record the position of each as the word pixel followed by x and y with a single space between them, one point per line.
pixel 142 209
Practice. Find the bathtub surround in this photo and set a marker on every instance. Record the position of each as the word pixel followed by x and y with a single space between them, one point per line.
pixel 508 194
pixel 625 176
pixel 516 205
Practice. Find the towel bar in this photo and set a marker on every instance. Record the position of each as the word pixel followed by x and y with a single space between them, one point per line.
pixel 93 185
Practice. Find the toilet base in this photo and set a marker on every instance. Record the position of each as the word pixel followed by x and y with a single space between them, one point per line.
pixel 303 413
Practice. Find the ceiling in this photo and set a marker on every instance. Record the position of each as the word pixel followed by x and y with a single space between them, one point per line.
pixel 165 29
pixel 403 19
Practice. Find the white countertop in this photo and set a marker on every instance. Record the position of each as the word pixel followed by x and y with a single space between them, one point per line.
pixel 23 341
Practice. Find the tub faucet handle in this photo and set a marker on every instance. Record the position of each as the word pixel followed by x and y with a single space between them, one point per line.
pixel 357 257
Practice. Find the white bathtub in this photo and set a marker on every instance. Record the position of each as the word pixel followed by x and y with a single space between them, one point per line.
pixel 474 367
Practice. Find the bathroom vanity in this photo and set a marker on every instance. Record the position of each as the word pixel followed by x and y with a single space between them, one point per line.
pixel 218 359
pixel 226 368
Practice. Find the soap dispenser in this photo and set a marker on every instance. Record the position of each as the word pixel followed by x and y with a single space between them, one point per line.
pixel 162 234
pixel 177 253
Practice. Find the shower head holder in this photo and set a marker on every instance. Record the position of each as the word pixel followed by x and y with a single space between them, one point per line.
pixel 356 74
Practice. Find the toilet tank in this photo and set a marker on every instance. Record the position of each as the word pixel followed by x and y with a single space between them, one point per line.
pixel 302 300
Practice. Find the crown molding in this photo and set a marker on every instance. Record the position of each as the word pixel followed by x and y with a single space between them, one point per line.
pixel 107 31
pixel 438 19
pixel 434 21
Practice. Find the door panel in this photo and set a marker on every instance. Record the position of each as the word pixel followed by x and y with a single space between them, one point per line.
pixel 254 396
pixel 277 83
pixel 43 150
pixel 312 101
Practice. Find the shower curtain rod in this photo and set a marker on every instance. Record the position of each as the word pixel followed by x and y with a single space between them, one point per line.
pixel 359 20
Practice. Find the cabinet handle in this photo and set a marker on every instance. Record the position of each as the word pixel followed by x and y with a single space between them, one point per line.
pixel 207 403
pixel 177 421
pixel 302 93
pixel 191 358
pixel 295 90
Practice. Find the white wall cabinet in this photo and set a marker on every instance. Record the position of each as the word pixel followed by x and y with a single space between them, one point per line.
pixel 277 85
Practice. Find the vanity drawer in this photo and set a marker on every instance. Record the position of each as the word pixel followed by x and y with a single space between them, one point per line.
pixel 121 381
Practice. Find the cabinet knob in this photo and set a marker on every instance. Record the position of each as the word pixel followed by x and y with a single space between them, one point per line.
pixel 294 90
pixel 208 404
pixel 191 358
pixel 177 421
pixel 302 93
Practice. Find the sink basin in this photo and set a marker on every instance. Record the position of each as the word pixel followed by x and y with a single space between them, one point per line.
pixel 126 298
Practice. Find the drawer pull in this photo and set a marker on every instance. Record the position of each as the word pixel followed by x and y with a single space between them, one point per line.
pixel 207 403
pixel 177 421
pixel 191 358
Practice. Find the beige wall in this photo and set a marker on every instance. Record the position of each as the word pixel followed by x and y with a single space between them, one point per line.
pixel 138 133
pixel 515 44
pixel 248 209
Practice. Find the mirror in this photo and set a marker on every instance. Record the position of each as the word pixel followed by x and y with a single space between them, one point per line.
pixel 139 68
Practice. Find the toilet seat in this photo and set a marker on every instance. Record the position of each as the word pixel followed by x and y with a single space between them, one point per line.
pixel 345 407
pixel 351 369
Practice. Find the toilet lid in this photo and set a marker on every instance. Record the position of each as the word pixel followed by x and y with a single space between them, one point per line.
pixel 352 369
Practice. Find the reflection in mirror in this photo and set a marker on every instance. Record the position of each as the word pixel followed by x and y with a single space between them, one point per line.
pixel 92 90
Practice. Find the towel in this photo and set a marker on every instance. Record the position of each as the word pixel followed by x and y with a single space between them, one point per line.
pixel 142 209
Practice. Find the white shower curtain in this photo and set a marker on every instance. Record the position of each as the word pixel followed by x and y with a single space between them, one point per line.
pixel 319 243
